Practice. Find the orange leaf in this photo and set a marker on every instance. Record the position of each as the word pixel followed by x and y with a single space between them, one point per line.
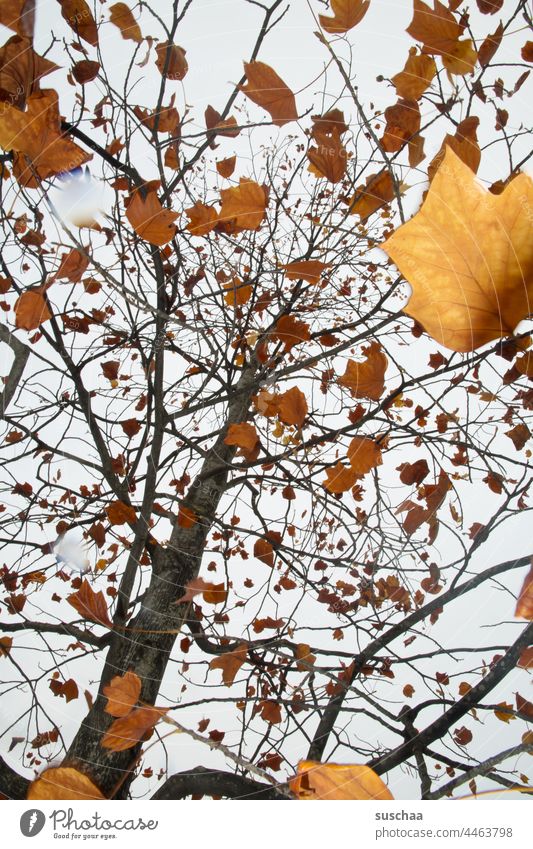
pixel 186 517
pixel 502 715
pixel 328 159
pixel 122 16
pixel 37 134
pixel 230 662
pixel 21 69
pixel 72 266
pixel 524 605
pixel 173 57
pixel 346 15
pixel 366 379
pixel 337 781
pixel 364 454
pixel 524 706
pixel 212 593
pixel 127 731
pixel 416 76
pixel 467 256
pixel 148 218
pixel 464 143
pixel 122 693
pixel 303 653
pixel 202 219
pixel 339 479
pixel 63 782
pixel 305 269
pixel 80 19
pixel 377 191
pixel 226 167
pixel 244 436
pixel 237 293
pixel 290 331
pixel 268 90
pixel 244 205
pixel 271 712
pixel 525 661
pixel 403 122
pixel 119 513
pixel 31 310
pixel 292 407
pixel 90 605
pixel 18 15
pixel 264 551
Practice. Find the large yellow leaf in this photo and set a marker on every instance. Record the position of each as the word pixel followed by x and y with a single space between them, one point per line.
pixel 468 255
pixel 316 781
pixel 268 90
pixel 63 782
pixel 346 14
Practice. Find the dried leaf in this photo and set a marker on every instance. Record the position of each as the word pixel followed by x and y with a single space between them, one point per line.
pixel 291 332
pixel 122 693
pixel 366 379
pixel 416 76
pixel 122 16
pixel 264 551
pixel 244 436
pixel 63 783
pixel 148 218
pixel 292 407
pixel 316 781
pixel 346 15
pixel 305 269
pixel 230 662
pixel 90 605
pixel 377 191
pixel 127 731
pixel 31 310
pixel 328 158
pixel 466 254
pixel 524 605
pixel 364 454
pixel 18 15
pixel 72 266
pixel 212 593
pixel 119 513
pixel 21 69
pixel 226 167
pixel 244 205
pixel 202 219
pixel 339 479
pixel 80 19
pixel 85 71
pixel 268 90
pixel 171 61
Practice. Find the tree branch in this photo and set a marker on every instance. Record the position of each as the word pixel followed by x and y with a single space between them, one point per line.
pixel 213 782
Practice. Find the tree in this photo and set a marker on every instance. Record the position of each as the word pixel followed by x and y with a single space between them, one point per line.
pixel 286 481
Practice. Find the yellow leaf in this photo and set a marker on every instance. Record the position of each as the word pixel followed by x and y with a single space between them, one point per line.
pixel 416 76
pixel 346 15
pixel 316 781
pixel 63 783
pixel 501 714
pixel 122 16
pixel 268 90
pixel 467 255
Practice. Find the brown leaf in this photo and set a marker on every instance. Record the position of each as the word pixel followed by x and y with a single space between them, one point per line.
pixel 366 379
pixel 131 427
pixel 237 293
pixel 524 706
pixel 364 454
pixel 122 16
pixel 524 604
pixel 226 167
pixel 202 219
pixel 85 71
pixel 464 144
pixel 416 76
pixel 90 605
pixel 403 122
pixel 292 407
pixel 408 691
pixel 271 712
pixel 119 513
pixel 490 46
pixel 21 69
pixel 212 593
pixel 230 662
pixel 63 783
pixel 346 15
pixel 413 473
pixel 72 266
pixel 268 90
pixel 80 19
pixel 148 218
pixel 328 159
pixel 173 57
pixel 525 661
pixel 18 15
pixel 264 551
pixel 244 436
pixel 243 206
pixel 290 331
pixel 339 479
pixel 305 269
pixel 31 310
pixel 519 435
pixel 337 781
pixel 122 693
pixel 68 689
pixel 489 7
pixel 5 646
pixel 527 51
pixel 127 731
pixel 377 191
pixel 462 736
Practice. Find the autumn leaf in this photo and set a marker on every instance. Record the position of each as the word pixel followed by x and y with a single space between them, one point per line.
pixel 339 479
pixel 467 255
pixel 90 605
pixel 5 646
pixel 171 61
pixel 127 731
pixel 230 662
pixel 366 379
pixel 122 16
pixel 244 436
pixel 226 167
pixel 292 407
pixel 270 711
pixel 525 661
pixel 464 143
pixel 303 653
pixel 67 689
pixel 416 76
pixel 524 605
pixel 244 205
pixel 346 15
pixel 122 693
pixel 503 715
pixel 31 309
pixel 85 71
pixel 212 593
pixel 237 293
pixel 439 33
pixel 202 219
pixel 18 15
pixel 72 266
pixel 119 513
pixel 148 218
pixel 328 159
pixel 413 473
pixel 63 783
pixel 377 191
pixel 316 781
pixel 305 269
pixel 264 551
pixel 268 90
pixel 80 19
pixel 37 135
pixel 364 455
pixel 21 69
pixel 519 435
pixel 291 332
